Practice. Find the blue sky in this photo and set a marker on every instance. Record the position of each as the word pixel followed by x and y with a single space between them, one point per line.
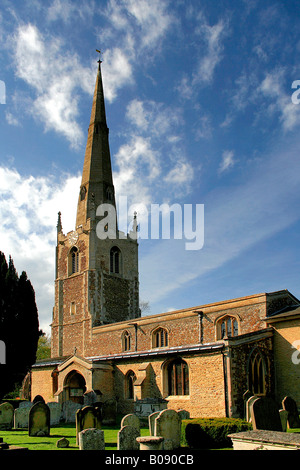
pixel 199 106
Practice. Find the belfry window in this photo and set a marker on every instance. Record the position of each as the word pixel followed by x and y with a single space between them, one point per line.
pixel 160 338
pixel 178 377
pixel 73 261
pixel 115 260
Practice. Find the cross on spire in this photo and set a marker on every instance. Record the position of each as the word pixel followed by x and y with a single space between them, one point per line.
pixel 99 61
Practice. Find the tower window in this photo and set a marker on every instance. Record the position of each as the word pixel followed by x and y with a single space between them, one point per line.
pixel 115 260
pixel 73 261
pixel 82 193
pixel 160 338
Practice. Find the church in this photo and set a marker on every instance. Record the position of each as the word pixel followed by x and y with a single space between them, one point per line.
pixel 201 359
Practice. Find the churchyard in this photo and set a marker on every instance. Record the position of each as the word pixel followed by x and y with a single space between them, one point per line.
pixel 69 426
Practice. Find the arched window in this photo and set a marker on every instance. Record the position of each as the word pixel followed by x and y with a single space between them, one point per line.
pixel 257 373
pixel 130 378
pixel 73 260
pixel 115 260
pixel 227 327
pixel 159 338
pixel 178 377
pixel 126 341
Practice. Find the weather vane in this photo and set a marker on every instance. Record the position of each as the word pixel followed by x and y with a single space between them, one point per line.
pixel 100 61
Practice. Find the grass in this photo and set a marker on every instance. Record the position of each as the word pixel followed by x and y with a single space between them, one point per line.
pixel 19 437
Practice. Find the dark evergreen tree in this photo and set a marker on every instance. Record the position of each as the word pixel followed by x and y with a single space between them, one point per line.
pixel 19 326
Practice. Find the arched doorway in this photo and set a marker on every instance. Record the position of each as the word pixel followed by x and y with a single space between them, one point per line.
pixel 75 387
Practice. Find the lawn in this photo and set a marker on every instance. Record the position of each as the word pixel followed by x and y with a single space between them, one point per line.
pixel 19 437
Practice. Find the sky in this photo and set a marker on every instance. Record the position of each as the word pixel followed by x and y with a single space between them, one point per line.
pixel 203 108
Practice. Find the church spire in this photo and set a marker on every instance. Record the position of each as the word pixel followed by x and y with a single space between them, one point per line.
pixel 96 183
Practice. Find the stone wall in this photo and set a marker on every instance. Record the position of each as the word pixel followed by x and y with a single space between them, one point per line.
pixel 287 368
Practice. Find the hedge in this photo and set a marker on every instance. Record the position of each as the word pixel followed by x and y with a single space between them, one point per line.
pixel 210 433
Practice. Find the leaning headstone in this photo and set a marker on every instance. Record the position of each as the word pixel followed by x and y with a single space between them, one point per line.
pixel 246 397
pixel 91 439
pixel 265 415
pixel 290 406
pixel 62 443
pixel 39 420
pixel 127 438
pixel 168 425
pixel 249 406
pixel 6 416
pixel 131 420
pixel 87 417
pixel 151 421
pixel 21 416
pixel 284 418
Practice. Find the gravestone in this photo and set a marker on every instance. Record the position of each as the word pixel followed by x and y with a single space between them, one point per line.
pixel 151 421
pixel 168 425
pixel 6 416
pixel 131 420
pixel 265 415
pixel 37 399
pixel 62 443
pixel 21 415
pixel 91 439
pixel 69 409
pixel 290 406
pixel 109 411
pixel 283 417
pixel 183 414
pixel 87 417
pixel 39 420
pixel 55 412
pixel 127 438
pixel 24 404
pixel 249 406
pixel 246 397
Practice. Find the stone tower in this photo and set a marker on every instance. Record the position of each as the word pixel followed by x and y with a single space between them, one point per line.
pixel 96 266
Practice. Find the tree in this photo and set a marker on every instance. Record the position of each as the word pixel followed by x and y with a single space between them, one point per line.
pixel 19 325
pixel 44 347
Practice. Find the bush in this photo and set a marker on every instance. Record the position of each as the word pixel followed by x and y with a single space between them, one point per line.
pixel 210 433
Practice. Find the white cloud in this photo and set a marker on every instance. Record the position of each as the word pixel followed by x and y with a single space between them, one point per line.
pixel 28 211
pixel 153 117
pixel 180 174
pixel 53 75
pixel 67 11
pixel 272 87
pixel 213 37
pixel 144 23
pixel 227 162
pixel 116 72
